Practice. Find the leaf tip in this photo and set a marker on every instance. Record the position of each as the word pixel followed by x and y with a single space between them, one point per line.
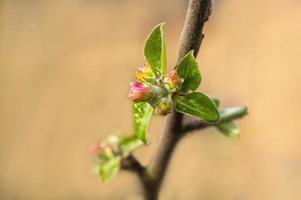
pixel 158 26
pixel 161 25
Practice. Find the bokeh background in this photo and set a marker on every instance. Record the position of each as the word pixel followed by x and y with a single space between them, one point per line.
pixel 64 72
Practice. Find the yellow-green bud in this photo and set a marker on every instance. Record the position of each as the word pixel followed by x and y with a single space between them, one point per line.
pixel 163 106
pixel 172 80
pixel 145 74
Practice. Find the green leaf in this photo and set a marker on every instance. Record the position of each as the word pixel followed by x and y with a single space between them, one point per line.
pixel 198 105
pixel 108 168
pixel 229 129
pixel 142 114
pixel 129 144
pixel 188 69
pixel 155 50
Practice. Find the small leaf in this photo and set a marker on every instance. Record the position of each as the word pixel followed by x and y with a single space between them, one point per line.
pixel 108 168
pixel 188 69
pixel 155 50
pixel 129 144
pixel 142 114
pixel 229 129
pixel 198 105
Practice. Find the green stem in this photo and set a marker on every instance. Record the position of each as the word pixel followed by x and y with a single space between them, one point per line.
pixel 230 114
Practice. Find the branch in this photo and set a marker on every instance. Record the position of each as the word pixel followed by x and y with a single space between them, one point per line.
pixel 227 115
pixel 131 164
pixel 191 38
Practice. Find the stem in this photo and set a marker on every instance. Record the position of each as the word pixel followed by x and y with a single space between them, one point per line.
pixel 230 114
pixel 197 14
pixel 131 164
pixel 191 38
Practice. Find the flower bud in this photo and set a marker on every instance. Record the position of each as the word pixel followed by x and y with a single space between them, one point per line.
pixel 145 74
pixel 113 143
pixel 173 81
pixel 139 91
pixel 163 106
pixel 96 149
pixel 107 148
pixel 108 152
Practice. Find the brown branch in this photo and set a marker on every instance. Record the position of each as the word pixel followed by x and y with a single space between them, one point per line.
pixel 197 14
pixel 131 164
pixel 193 125
pixel 191 38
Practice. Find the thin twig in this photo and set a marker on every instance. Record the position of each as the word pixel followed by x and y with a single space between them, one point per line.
pixel 131 164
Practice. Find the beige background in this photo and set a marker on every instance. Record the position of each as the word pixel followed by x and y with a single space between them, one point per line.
pixel 64 72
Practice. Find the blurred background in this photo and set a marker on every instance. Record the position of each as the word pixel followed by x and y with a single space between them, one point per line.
pixel 64 72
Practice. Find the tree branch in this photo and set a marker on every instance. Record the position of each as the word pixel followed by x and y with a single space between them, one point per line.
pixel 197 14
pixel 191 38
pixel 131 164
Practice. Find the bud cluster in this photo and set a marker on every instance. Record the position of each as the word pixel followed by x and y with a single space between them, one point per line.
pixel 154 89
pixel 108 148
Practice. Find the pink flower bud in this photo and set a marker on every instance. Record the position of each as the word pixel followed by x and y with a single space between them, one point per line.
pixel 145 74
pixel 173 81
pixel 139 92
pixel 97 149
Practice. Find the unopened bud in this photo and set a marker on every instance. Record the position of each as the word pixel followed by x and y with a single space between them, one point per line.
pixel 173 81
pixel 108 152
pixel 163 107
pixel 96 149
pixel 107 148
pixel 139 92
pixel 113 143
pixel 145 74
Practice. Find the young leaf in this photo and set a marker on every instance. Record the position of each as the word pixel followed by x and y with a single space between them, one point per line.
pixel 198 105
pixel 142 114
pixel 229 129
pixel 155 50
pixel 188 69
pixel 108 168
pixel 129 144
